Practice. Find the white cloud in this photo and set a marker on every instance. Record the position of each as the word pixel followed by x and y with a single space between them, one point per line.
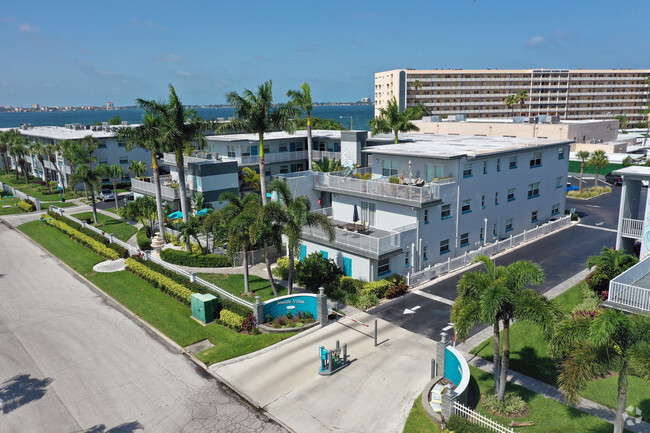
pixel 25 27
pixel 535 41
pixel 558 37
pixel 169 58
pixel 184 74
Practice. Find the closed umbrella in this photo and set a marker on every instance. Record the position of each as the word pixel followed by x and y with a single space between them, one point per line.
pixel 175 215
pixel 203 211
pixel 355 214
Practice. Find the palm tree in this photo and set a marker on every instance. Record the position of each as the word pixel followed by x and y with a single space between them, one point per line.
pixel 255 113
pixel 67 150
pixel 623 121
pixel 51 150
pixel 328 165
pixel 501 296
pixel 81 152
pixel 609 264
pixel 113 172
pixel 241 215
pixel 178 127
pixel 591 344
pixel 583 155
pixel 18 148
pixel 417 84
pixel 38 148
pixel 301 99
pixel 85 173
pixel 293 213
pixel 148 136
pixel 4 146
pixel 522 97
pixel 250 178
pixel 191 229
pixel 391 120
pixel 511 101
pixel 137 167
pixel 599 160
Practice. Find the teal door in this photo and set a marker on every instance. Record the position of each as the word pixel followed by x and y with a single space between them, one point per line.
pixel 253 150
pixel 324 253
pixel 303 252
pixel 347 266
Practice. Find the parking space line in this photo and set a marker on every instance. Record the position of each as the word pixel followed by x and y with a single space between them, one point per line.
pixel 434 297
pixel 597 228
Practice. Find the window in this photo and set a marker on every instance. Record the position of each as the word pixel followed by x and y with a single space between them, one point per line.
pixel 407 258
pixel 383 266
pixel 498 164
pixel 483 202
pixel 284 169
pixel 282 147
pixel 444 246
pixel 533 217
pixel 484 167
pixel 389 168
pixel 433 171
pixel 509 224
pixel 513 162
pixel 555 209
pixel 246 151
pixel 467 170
pixel 511 194
pixel 124 159
pixel 121 144
pixel 496 199
pixel 101 145
pixel 533 190
pixel 464 240
pixel 424 253
pixel 536 160
pixel 368 212
pixel 466 207
pixel 560 153
pixel 445 211
pixel 558 182
pixel 231 151
pixel 426 216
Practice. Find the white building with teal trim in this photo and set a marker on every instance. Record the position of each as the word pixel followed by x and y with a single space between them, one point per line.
pixel 474 190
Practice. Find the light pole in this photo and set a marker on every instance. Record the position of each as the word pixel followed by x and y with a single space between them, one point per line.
pixel 345 117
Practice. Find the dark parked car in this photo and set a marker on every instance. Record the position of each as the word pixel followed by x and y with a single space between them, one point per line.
pixel 613 179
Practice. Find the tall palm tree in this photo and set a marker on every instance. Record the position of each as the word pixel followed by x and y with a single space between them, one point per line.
pixel 148 136
pixel 85 173
pixel 302 100
pixel 67 148
pixel 328 165
pixel 38 148
pixel 255 113
pixel 623 121
pixel 19 148
pixel 293 213
pixel 51 150
pixel 591 344
pixel 178 127
pixel 599 160
pixel 522 97
pixel 241 215
pixel 4 147
pixel 583 155
pixel 137 167
pixel 391 120
pixel 81 152
pixel 502 296
pixel 113 172
pixel 191 229
pixel 511 101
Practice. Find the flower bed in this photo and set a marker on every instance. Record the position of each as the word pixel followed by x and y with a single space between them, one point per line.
pixel 83 239
pixel 163 283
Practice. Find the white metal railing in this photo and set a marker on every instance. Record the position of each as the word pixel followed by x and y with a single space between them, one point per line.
pixel 320 154
pixel 269 158
pixel 632 227
pixel 476 418
pixel 372 244
pixel 150 188
pixel 170 158
pixel 327 211
pixel 623 290
pixel 498 246
pixel 133 251
pixel 380 187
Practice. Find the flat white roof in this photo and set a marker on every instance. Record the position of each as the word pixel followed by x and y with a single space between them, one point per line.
pixel 279 135
pixel 508 120
pixel 62 133
pixel 456 146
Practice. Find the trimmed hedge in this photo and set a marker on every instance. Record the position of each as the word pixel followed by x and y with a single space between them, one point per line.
pixel 377 288
pixel 26 206
pixel 282 269
pixel 83 239
pixel 163 283
pixel 459 424
pixel 231 320
pixel 144 243
pixel 196 260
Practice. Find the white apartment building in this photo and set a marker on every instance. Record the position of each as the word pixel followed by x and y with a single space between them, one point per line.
pixel 473 190
pixel 566 93
pixel 110 150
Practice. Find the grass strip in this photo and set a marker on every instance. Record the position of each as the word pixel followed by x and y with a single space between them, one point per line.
pixel 120 229
pixel 234 283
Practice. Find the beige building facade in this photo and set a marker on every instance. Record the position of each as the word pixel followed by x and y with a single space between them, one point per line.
pixel 565 93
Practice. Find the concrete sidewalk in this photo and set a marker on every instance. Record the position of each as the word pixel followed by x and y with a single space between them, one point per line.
pixel 374 393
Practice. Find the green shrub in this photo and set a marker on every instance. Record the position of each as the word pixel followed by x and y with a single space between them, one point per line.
pixel 231 320
pixel 123 252
pixel 594 191
pixel 144 243
pixel 338 295
pixel 396 291
pixel 195 259
pixel 512 405
pixel 83 239
pixel 350 285
pixel 282 269
pixel 316 271
pixel 351 299
pixel 163 283
pixel 456 423
pixel 26 206
pixel 377 288
pixel 366 301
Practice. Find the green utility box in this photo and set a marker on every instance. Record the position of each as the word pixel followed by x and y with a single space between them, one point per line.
pixel 205 307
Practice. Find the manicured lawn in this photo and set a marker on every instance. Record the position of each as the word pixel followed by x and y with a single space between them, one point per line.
pixel 604 391
pixel 120 229
pixel 418 420
pixel 46 204
pixel 234 283
pixel 168 315
pixel 13 209
pixel 41 192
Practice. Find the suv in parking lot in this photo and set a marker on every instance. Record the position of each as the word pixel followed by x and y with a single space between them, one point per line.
pixel 106 195
pixel 613 179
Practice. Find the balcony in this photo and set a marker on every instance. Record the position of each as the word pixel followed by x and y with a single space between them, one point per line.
pixel 380 189
pixel 170 158
pixel 632 228
pixel 318 155
pixel 269 158
pixel 149 189
pixel 630 291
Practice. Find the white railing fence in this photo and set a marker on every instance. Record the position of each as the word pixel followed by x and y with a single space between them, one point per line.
pixel 135 251
pixel 476 418
pixel 21 195
pixel 632 227
pixel 466 259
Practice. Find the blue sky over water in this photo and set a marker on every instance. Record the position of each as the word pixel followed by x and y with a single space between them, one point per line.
pixel 87 52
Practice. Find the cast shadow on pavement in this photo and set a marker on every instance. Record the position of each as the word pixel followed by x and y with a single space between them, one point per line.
pixel 21 390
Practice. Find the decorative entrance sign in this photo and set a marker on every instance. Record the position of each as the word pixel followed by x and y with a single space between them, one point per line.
pixel 295 303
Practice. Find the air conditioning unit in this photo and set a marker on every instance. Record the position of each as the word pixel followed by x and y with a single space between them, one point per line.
pixel 125 123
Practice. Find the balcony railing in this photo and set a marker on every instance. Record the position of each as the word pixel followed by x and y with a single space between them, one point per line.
pixel 632 227
pixel 170 158
pixel 367 243
pixel 319 154
pixel 624 289
pixel 269 158
pixel 149 188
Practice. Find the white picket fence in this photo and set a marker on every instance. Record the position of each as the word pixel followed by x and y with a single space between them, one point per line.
pixel 135 251
pixel 21 195
pixel 466 259
pixel 476 418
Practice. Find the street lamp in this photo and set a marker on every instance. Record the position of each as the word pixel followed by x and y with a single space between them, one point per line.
pixel 345 117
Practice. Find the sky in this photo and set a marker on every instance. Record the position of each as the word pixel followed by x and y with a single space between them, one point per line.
pixel 89 52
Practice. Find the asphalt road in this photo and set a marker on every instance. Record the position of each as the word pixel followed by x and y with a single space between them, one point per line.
pixel 73 361
pixel 561 255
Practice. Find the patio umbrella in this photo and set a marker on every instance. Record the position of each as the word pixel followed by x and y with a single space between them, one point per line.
pixel 174 215
pixel 355 214
pixel 203 211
